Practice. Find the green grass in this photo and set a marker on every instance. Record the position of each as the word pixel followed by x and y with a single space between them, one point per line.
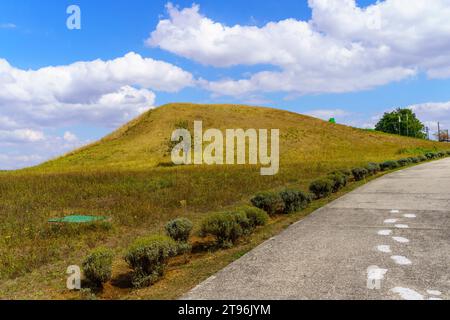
pixel 121 177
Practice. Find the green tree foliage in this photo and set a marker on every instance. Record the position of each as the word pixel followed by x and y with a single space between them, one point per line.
pixel 403 122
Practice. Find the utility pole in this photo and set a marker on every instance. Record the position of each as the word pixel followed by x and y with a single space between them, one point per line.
pixel 439 132
pixel 407 125
pixel 428 132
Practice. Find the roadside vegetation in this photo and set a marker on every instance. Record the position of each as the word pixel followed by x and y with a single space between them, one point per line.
pixel 169 222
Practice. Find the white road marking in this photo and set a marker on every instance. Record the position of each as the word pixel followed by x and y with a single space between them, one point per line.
pixel 395 211
pixel 384 232
pixel 401 239
pixel 434 292
pixel 410 216
pixel 376 273
pixel 402 226
pixel 390 220
pixel 407 294
pixel 384 248
pixel 401 260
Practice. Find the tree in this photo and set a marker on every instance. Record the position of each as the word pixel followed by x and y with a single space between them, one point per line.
pixel 403 122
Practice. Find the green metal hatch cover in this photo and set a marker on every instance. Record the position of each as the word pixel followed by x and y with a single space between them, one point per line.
pixel 78 219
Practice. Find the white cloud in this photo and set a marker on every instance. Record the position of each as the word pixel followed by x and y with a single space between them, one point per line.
pixel 101 92
pixel 326 114
pixel 345 117
pixel 433 112
pixel 20 136
pixel 7 122
pixel 105 93
pixel 70 137
pixel 26 147
pixel 7 26
pixel 14 161
pixel 342 48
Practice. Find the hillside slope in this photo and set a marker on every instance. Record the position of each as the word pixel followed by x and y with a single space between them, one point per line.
pixel 143 143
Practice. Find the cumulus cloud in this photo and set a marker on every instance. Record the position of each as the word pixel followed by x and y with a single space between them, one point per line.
pixel 27 147
pixel 433 112
pixel 343 48
pixel 326 114
pixel 20 135
pixel 70 137
pixel 345 117
pixel 105 93
pixel 7 122
pixel 100 92
pixel 7 26
pixel 14 161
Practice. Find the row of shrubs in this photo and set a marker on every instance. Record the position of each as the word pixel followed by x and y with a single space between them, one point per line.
pixel 284 202
pixel 148 257
pixel 229 227
pixel 294 200
pixel 323 187
pixel 436 155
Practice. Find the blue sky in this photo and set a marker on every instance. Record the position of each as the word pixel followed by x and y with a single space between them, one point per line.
pixel 34 35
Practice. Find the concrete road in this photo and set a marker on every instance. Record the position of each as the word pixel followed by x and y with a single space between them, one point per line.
pixel 390 239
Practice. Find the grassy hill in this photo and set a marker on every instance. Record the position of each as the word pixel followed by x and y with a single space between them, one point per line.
pixel 125 176
pixel 143 143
